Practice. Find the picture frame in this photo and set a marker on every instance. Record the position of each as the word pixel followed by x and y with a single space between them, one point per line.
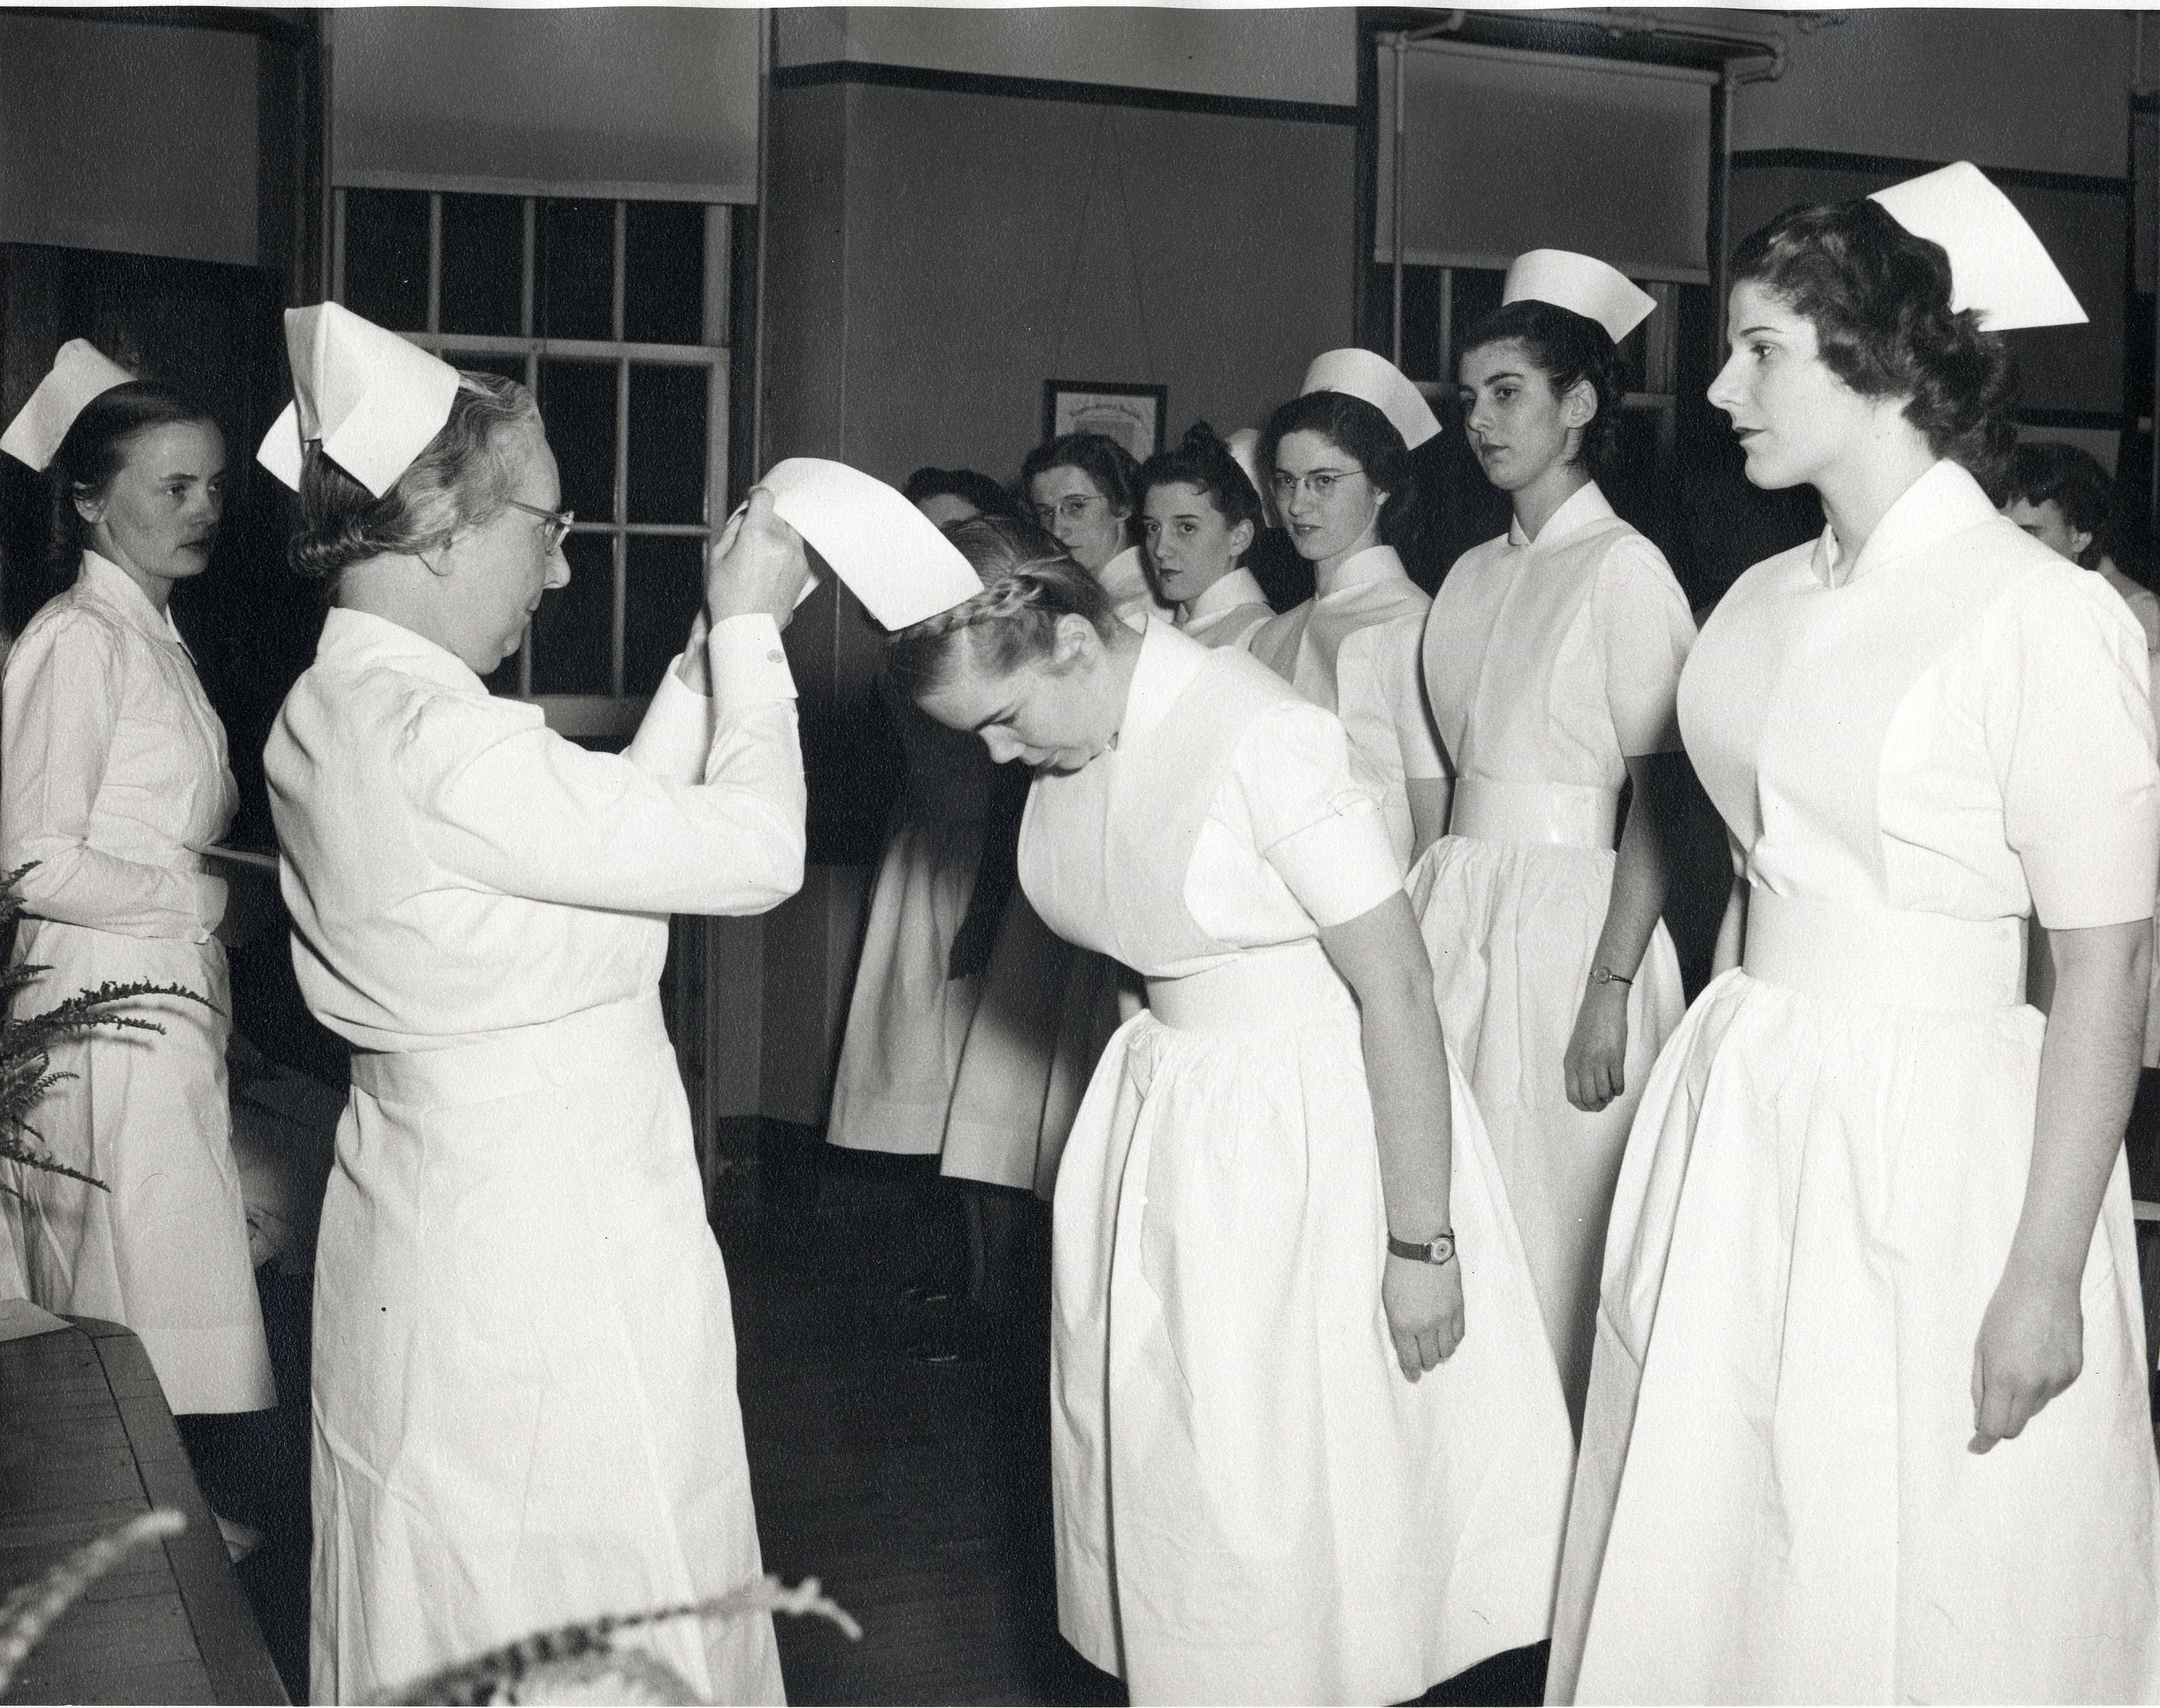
pixel 1131 413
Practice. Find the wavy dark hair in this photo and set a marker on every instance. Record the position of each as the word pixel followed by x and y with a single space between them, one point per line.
pixel 1203 462
pixel 463 480
pixel 1029 582
pixel 1114 470
pixel 1569 349
pixel 1357 429
pixel 966 485
pixel 2071 480
pixel 94 449
pixel 1879 299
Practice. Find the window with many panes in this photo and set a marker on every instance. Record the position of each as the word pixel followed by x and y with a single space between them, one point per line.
pixel 615 313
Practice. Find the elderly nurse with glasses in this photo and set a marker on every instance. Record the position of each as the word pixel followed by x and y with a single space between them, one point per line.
pixel 1338 462
pixel 524 1387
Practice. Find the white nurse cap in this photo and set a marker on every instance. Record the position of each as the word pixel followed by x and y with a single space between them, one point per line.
pixel 1998 267
pixel 1244 448
pixel 1583 285
pixel 891 556
pixel 1361 374
pixel 373 400
pixel 80 373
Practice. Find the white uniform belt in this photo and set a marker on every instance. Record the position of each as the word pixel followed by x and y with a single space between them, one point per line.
pixel 1885 956
pixel 1564 815
pixel 1266 990
pixel 577 1047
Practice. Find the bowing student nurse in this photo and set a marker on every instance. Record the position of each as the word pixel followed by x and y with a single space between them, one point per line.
pixel 1868 1419
pixel 1338 462
pixel 1551 658
pixel 113 785
pixel 524 1363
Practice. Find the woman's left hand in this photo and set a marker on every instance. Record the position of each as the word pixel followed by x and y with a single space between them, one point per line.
pixel 2031 1347
pixel 1597 1059
pixel 1424 1304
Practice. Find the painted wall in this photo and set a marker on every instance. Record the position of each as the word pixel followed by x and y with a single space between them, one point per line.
pixel 141 138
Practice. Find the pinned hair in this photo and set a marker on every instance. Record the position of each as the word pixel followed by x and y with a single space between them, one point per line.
pixel 980 490
pixel 1203 462
pixel 94 449
pixel 1113 469
pixel 1359 430
pixel 463 480
pixel 1029 583
pixel 1879 299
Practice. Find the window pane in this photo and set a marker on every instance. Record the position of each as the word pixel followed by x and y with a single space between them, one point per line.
pixel 483 264
pixel 511 368
pixel 574 293
pixel 661 595
pixel 664 273
pixel 1476 293
pixel 575 627
pixel 667 442
pixel 386 257
pixel 577 402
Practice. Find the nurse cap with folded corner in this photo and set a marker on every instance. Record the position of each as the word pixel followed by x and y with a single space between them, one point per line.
pixel 891 556
pixel 373 401
pixel 1999 267
pixel 1581 284
pixel 81 373
pixel 1359 373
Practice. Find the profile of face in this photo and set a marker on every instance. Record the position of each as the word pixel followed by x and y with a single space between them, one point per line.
pixel 1192 546
pixel 1518 425
pixel 157 516
pixel 2045 522
pixel 946 508
pixel 1076 512
pixel 1054 713
pixel 1329 505
pixel 493 575
pixel 1795 419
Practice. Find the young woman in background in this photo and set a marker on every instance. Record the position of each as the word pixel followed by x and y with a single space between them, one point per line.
pixel 1337 459
pixel 1084 490
pixel 1201 514
pixel 1551 658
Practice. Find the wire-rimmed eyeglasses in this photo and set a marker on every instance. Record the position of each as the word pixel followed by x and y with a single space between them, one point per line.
pixel 559 521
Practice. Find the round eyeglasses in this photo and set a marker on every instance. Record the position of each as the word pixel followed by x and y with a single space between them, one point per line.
pixel 559 521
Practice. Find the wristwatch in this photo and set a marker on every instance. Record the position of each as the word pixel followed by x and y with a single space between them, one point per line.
pixel 1439 1249
pixel 1603 974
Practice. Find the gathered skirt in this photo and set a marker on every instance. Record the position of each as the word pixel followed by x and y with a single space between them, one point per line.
pixel 1776 1501
pixel 1512 929
pixel 1252 1503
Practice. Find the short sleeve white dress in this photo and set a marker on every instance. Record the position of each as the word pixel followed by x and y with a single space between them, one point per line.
pixel 1253 1504
pixel 1776 1500
pixel 1354 648
pixel 1550 664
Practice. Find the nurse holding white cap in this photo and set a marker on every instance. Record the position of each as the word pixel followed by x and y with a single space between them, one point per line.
pixel 524 1403
pixel 1551 658
pixel 1868 1418
pixel 1337 459
pixel 114 789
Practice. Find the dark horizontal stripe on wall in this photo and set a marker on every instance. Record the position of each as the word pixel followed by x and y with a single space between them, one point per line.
pixel 831 72
pixel 1836 160
pixel 233 20
pixel 2097 420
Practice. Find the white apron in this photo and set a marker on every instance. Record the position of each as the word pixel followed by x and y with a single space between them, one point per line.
pixel 907 1021
pixel 1253 1504
pixel 1548 664
pixel 114 779
pixel 524 1404
pixel 1776 1501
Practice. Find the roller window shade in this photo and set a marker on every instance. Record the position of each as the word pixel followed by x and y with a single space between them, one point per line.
pixel 1507 151
pixel 643 103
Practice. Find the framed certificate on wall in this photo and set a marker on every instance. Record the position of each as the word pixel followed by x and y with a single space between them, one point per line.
pixel 1131 414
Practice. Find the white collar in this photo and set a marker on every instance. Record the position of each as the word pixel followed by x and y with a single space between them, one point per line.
pixel 1165 669
pixel 1362 569
pixel 1945 502
pixel 1585 506
pixel 1238 587
pixel 114 588
pixel 357 637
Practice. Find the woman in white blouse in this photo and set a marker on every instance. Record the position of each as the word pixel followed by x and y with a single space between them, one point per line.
pixel 524 1402
pixel 113 781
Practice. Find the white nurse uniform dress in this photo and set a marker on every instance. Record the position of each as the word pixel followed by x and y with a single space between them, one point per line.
pixel 1354 648
pixel 525 1409
pixel 1550 664
pixel 113 779
pixel 1776 1501
pixel 1252 1504
pixel 1228 612
pixel 907 1021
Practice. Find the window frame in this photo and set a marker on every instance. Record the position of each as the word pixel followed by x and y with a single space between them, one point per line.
pixel 613 716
